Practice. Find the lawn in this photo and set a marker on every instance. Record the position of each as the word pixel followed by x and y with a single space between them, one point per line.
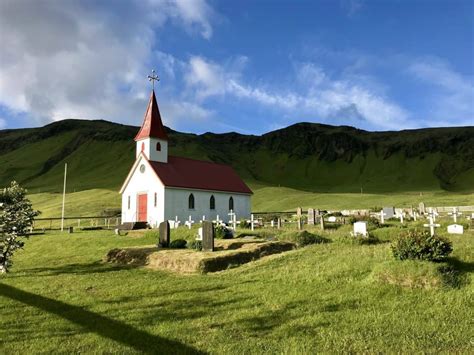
pixel 60 296
pixel 94 202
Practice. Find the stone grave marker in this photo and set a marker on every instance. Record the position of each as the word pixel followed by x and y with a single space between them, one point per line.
pixel 422 208
pixel 279 223
pixel 389 212
pixel 189 222
pixel 299 223
pixel 311 216
pixel 252 222
pixel 455 229
pixel 360 228
pixel 332 219
pixel 207 236
pixel 164 231
pixel 382 216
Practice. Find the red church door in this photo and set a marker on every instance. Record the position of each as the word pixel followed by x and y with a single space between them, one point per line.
pixel 142 207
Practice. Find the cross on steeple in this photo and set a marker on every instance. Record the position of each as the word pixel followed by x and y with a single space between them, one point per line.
pixel 153 77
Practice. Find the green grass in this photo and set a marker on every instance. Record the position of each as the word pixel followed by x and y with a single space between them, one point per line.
pixel 60 297
pixel 266 199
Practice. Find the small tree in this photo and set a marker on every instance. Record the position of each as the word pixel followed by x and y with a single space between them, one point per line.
pixel 16 216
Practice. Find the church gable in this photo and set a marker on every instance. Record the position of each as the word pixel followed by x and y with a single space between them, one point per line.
pixel 141 173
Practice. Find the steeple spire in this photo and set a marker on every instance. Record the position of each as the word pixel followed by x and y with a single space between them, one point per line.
pixel 152 126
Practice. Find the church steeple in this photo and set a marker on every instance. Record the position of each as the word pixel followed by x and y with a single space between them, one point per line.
pixel 152 126
pixel 152 139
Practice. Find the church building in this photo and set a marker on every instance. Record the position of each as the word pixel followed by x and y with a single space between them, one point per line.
pixel 161 187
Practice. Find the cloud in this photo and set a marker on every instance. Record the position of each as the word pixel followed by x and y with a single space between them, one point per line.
pixel 3 123
pixel 451 97
pixel 318 96
pixel 87 60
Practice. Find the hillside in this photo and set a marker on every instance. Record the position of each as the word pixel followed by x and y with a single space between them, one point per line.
pixel 305 156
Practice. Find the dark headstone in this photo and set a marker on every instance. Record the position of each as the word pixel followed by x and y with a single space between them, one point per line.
pixel 165 235
pixel 389 212
pixel 207 236
pixel 71 230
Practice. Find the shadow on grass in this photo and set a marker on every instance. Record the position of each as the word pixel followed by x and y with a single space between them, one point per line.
pixel 77 269
pixel 455 274
pixel 109 328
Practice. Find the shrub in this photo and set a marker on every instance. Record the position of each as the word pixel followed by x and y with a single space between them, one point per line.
pixel 372 222
pixel 244 224
pixel 195 244
pixel 415 244
pixel 303 238
pixel 358 239
pixel 178 244
pixel 222 232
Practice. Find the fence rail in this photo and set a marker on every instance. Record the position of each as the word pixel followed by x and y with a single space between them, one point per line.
pixel 54 223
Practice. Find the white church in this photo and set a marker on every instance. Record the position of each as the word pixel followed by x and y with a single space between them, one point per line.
pixel 161 187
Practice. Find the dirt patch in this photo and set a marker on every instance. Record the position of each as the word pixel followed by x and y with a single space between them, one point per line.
pixel 229 254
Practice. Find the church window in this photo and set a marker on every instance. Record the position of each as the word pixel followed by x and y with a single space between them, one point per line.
pixel 231 203
pixel 128 202
pixel 212 203
pixel 142 168
pixel 143 146
pixel 158 147
pixel 191 202
pixel 156 199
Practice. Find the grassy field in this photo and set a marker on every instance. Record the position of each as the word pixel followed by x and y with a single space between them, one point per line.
pixel 265 199
pixel 60 297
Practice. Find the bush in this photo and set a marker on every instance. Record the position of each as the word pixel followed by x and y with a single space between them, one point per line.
pixel 222 232
pixel 372 222
pixel 244 224
pixel 421 245
pixel 195 244
pixel 178 244
pixel 303 238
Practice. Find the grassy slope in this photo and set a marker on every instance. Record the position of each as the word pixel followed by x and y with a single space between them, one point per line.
pixel 317 299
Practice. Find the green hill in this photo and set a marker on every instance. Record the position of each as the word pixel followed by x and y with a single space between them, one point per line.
pixel 305 156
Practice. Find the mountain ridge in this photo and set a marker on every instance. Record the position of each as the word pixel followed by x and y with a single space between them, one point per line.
pixel 307 156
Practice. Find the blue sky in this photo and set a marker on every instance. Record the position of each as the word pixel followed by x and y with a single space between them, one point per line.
pixel 245 66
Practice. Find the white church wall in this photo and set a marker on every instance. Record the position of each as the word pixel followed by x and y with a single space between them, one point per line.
pixel 149 148
pixel 177 205
pixel 144 182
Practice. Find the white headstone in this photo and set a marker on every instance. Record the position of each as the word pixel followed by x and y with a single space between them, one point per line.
pixel 199 237
pixel 455 214
pixel 360 228
pixel 332 219
pixel 189 222
pixel 455 229
pixel 431 225
pixel 382 216
pixel 252 222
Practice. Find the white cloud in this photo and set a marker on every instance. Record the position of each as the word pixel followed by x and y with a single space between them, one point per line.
pixel 80 60
pixel 317 97
pixel 451 96
pixel 3 123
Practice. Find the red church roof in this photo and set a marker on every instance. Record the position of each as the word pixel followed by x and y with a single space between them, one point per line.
pixel 197 174
pixel 152 126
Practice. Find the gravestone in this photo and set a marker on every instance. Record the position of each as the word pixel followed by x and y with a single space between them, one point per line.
pixel 299 223
pixel 389 212
pixel 164 230
pixel 455 229
pixel 332 219
pixel 360 228
pixel 311 216
pixel 279 223
pixel 422 208
pixel 321 221
pixel 207 236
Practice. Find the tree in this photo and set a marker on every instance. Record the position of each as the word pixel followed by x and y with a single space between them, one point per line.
pixel 16 216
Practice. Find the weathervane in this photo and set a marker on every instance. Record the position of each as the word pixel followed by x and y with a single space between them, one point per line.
pixel 153 77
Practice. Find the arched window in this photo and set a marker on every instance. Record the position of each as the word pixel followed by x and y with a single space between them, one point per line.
pixel 158 147
pixel 231 203
pixel 156 199
pixel 212 203
pixel 191 202
pixel 143 146
pixel 128 202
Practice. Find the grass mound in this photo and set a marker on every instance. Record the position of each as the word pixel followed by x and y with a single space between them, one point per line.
pixel 358 239
pixel 416 274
